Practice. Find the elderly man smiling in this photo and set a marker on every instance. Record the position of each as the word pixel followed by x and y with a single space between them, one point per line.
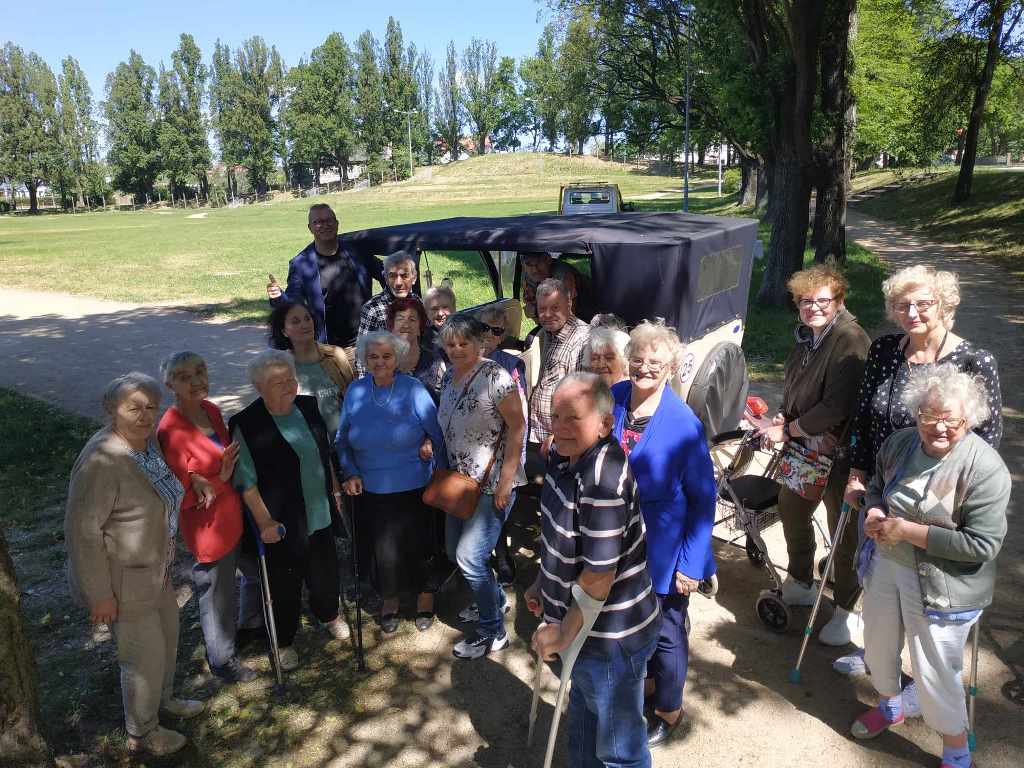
pixel 399 279
pixel 592 536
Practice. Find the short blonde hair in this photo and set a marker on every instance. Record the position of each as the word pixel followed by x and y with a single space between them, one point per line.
pixel 656 334
pixel 949 385
pixel 945 285
pixel 807 281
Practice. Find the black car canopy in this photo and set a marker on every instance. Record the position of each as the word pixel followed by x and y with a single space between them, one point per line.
pixel 692 270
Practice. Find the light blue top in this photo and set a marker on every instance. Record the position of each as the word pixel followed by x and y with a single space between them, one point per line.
pixel 381 431
pixel 294 429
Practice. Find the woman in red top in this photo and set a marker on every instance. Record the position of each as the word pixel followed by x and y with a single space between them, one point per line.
pixel 198 449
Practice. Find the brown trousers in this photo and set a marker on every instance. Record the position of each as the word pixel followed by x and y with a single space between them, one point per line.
pixel 796 512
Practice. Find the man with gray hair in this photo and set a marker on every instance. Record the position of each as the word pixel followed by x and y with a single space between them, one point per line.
pixel 332 283
pixel 399 279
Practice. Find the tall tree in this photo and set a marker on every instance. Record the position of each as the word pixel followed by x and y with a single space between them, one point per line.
pixel 541 89
pixel 29 128
pixel 370 100
pixel 577 77
pixel 192 76
pixel 175 153
pixel 513 118
pixel 449 118
pixel 261 75
pixel 479 92
pixel 79 132
pixel 994 21
pixel 131 113
pixel 398 85
pixel 225 98
pixel 425 117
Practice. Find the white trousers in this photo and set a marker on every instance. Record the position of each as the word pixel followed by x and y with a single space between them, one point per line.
pixel 894 612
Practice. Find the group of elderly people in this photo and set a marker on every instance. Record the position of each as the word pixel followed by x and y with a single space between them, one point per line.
pixel 910 421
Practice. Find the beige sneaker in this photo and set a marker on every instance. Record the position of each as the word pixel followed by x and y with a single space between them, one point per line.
pixel 289 659
pixel 338 628
pixel 158 742
pixel 183 709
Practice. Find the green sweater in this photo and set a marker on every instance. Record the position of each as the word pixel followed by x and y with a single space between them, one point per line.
pixel 964 506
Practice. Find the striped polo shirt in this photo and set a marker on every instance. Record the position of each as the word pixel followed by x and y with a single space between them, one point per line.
pixel 590 519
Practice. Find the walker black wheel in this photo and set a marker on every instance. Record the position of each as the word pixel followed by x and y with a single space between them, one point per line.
pixel 772 612
pixel 754 554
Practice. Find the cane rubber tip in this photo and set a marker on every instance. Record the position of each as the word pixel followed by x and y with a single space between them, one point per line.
pixel 972 741
pixel 794 676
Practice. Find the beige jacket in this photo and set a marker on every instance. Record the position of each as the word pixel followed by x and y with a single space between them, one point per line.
pixel 115 529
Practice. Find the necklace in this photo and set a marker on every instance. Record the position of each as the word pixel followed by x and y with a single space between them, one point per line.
pixel 391 391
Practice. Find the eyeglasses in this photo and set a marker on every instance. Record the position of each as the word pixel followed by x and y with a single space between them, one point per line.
pixel 821 303
pixel 497 330
pixel 921 306
pixel 654 366
pixel 931 420
pixel 323 222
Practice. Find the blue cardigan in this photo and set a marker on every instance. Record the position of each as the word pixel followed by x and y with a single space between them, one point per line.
pixel 676 483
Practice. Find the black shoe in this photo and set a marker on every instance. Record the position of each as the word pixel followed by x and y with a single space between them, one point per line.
pixel 424 620
pixel 659 731
pixel 234 672
pixel 389 623
pixel 506 569
pixel 248 635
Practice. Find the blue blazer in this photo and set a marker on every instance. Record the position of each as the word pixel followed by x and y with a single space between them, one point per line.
pixel 304 282
pixel 676 483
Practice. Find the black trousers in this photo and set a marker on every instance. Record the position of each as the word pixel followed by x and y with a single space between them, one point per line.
pixel 319 572
pixel 395 532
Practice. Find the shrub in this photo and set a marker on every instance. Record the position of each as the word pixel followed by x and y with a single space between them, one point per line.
pixel 731 180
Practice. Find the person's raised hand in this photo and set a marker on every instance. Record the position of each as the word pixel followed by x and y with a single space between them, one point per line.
pixel 104 612
pixel 353 486
pixel 228 460
pixel 273 288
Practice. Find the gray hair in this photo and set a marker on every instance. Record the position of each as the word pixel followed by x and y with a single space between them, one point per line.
pixel 267 359
pixel 462 326
pixel 949 385
pixel 118 389
pixel 170 364
pixel 398 345
pixel 599 392
pixel 648 335
pixel 602 338
pixel 551 286
pixel 945 285
pixel 442 292
pixel 399 257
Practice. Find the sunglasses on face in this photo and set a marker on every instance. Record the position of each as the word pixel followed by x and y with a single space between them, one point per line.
pixel 497 330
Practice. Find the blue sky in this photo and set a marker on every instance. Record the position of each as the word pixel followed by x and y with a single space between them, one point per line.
pixel 100 34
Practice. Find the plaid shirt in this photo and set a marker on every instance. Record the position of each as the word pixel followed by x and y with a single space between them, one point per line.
pixel 373 317
pixel 561 353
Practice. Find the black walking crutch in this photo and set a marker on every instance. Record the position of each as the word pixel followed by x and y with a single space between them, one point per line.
pixel 268 605
pixel 350 529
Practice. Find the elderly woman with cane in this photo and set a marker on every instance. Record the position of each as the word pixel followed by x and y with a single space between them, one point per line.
pixel 198 449
pixel 120 527
pixel 387 418
pixel 935 521
pixel 669 457
pixel 284 472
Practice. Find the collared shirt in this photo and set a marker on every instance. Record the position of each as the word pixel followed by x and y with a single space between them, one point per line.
pixel 590 520
pixel 561 353
pixel 373 317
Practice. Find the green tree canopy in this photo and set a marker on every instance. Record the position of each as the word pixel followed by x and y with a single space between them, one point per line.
pixel 132 124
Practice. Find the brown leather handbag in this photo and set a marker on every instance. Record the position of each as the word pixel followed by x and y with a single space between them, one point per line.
pixel 451 491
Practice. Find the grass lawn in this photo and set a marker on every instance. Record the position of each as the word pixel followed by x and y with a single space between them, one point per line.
pixel 991 224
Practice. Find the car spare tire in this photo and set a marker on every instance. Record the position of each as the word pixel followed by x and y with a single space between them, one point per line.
pixel 719 390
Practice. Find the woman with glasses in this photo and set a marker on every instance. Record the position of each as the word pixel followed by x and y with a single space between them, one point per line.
pixel 936 519
pixel 923 302
pixel 675 480
pixel 818 401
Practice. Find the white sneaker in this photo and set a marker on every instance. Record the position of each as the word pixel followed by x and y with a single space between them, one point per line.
pixel 338 628
pixel 183 709
pixel 158 742
pixel 797 593
pixel 851 665
pixel 289 659
pixel 841 628
pixel 911 706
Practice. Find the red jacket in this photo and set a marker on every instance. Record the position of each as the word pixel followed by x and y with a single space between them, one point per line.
pixel 209 533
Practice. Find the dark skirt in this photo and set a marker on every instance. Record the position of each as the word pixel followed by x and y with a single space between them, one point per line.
pixel 394 532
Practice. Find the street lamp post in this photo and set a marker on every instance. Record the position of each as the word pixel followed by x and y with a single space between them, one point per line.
pixel 408 116
pixel 686 117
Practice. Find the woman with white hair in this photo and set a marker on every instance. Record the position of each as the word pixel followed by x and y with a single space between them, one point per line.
pixel 119 528
pixel 923 302
pixel 668 453
pixel 289 487
pixel 605 354
pixel 198 448
pixel 935 519
pixel 385 421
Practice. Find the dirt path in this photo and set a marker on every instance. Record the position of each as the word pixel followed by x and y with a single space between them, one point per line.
pixel 420 709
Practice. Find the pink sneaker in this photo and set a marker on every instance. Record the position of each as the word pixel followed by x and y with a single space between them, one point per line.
pixel 871 723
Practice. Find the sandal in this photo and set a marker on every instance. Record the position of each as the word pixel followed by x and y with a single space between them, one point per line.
pixel 389 623
pixel 872 723
pixel 424 620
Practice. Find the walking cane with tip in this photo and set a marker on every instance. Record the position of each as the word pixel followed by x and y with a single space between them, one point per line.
pixel 844 516
pixel 350 529
pixel 972 689
pixel 268 605
pixel 590 609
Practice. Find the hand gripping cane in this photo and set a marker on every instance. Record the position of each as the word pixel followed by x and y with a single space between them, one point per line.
pixel 590 609
pixel 844 516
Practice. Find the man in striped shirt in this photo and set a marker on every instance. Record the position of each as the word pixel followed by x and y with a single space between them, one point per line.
pixel 592 535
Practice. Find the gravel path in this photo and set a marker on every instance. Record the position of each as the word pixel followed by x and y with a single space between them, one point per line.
pixel 64 348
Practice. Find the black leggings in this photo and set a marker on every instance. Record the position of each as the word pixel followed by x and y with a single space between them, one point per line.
pixel 319 571
pixel 395 532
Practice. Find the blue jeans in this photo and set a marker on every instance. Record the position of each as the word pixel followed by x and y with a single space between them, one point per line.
pixel 470 543
pixel 215 586
pixel 671 658
pixel 606 710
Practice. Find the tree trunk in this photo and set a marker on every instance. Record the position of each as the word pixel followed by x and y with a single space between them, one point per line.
pixel 788 212
pixel 701 152
pixel 20 741
pixel 966 177
pixel 33 196
pixel 751 173
pixel 343 162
